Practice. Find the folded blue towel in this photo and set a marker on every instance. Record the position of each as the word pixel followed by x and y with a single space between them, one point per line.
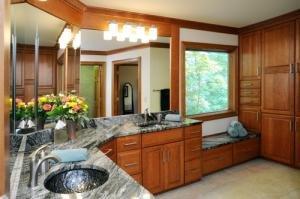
pixel 235 124
pixel 71 155
pixel 173 117
pixel 236 129
pixel 233 132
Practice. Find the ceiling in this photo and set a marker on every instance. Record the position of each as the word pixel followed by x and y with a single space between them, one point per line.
pixel 234 13
pixel 27 19
pixel 93 40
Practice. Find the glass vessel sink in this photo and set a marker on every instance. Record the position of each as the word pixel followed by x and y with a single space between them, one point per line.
pixel 76 180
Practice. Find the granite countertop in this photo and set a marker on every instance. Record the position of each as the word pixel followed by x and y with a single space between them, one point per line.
pixel 215 141
pixel 119 184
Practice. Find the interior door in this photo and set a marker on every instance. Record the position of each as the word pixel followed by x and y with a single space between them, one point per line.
pixel 116 96
pixel 152 162
pixel 174 165
pixel 250 55
pixel 278 69
pixel 297 142
pixel 277 138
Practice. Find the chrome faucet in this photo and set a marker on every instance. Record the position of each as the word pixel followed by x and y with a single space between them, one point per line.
pixel 146 115
pixel 34 178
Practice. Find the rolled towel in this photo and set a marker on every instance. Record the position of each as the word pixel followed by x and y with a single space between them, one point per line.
pixel 235 124
pixel 242 131
pixel 173 118
pixel 232 132
pixel 71 155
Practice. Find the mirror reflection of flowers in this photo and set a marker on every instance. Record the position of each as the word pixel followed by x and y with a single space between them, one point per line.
pixel 23 111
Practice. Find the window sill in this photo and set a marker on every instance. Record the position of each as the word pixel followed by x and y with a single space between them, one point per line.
pixel 214 116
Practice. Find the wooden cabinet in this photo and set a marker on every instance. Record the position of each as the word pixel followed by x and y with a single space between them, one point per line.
pixel 109 149
pixel 174 164
pixel 278 137
pixel 163 165
pixel 127 143
pixel 251 119
pixel 153 168
pixel 216 159
pixel 297 70
pixel 130 161
pixel 250 55
pixel 297 142
pixel 246 150
pixel 278 69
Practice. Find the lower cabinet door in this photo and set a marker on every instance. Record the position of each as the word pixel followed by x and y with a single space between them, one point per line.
pixel 250 119
pixel 277 139
pixel 297 143
pixel 174 164
pixel 152 161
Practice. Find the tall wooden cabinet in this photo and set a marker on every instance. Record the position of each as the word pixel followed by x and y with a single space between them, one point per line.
pixel 297 70
pixel 250 80
pixel 297 142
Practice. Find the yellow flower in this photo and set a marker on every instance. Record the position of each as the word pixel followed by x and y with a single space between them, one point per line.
pixel 42 99
pixel 30 103
pixel 21 105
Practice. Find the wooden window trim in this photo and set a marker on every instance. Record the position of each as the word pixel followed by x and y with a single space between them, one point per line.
pixel 233 79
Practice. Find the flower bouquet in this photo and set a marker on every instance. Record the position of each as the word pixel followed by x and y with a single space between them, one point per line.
pixel 72 109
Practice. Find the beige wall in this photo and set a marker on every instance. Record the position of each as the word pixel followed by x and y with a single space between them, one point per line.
pixel 159 75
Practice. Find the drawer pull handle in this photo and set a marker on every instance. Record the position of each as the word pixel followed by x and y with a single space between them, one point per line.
pixel 248 84
pixel 108 151
pixel 130 164
pixel 130 144
pixel 196 149
pixel 194 132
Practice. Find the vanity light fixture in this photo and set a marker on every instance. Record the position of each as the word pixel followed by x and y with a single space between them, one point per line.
pixel 77 40
pixel 66 37
pixel 130 32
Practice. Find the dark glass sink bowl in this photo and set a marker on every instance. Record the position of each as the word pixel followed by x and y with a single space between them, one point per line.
pixel 76 180
pixel 151 123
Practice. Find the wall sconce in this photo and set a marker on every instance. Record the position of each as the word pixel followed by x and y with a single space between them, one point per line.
pixel 130 32
pixel 66 36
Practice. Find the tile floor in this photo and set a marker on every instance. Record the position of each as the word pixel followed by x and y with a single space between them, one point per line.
pixel 256 179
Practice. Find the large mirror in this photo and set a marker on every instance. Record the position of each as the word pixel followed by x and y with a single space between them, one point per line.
pixel 114 77
pixel 122 77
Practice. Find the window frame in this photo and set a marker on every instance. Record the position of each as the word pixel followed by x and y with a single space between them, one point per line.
pixel 233 79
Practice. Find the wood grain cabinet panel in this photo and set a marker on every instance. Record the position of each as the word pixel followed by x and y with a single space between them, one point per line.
pixel 130 161
pixel 250 101
pixel 216 159
pixel 192 170
pixel 158 138
pixel 138 178
pixel 127 143
pixel 251 119
pixel 250 55
pixel 110 150
pixel 278 71
pixel 246 150
pixel 174 165
pixel 193 131
pixel 193 149
pixel 277 139
pixel 153 168
pixel 249 84
pixel 250 92
pixel 297 142
pixel 297 86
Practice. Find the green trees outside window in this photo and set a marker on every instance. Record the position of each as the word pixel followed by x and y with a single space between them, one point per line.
pixel 206 82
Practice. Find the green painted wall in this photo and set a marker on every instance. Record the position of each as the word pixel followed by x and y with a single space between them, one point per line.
pixel 88 78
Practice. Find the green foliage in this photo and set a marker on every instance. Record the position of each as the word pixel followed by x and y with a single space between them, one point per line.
pixel 206 77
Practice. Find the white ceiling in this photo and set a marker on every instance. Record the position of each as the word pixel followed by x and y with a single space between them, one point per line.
pixel 93 40
pixel 28 18
pixel 235 13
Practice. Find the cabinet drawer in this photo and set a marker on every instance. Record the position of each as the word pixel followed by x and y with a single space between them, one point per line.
pixel 254 101
pixel 193 131
pixel 138 178
pixel 245 150
pixel 193 148
pixel 250 84
pixel 128 143
pixel 109 149
pixel 250 93
pixel 130 161
pixel 193 170
pixel 158 138
pixel 217 159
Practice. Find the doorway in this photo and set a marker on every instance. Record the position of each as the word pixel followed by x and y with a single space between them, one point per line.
pixel 92 87
pixel 126 72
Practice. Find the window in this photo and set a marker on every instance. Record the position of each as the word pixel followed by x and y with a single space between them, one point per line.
pixel 209 79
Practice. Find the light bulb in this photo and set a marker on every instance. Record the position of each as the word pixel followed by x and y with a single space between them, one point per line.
pixel 153 33
pixel 127 30
pixel 65 38
pixel 113 28
pixel 140 31
pixel 107 35
pixel 77 40
pixel 120 37
pixel 145 39
pixel 133 38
